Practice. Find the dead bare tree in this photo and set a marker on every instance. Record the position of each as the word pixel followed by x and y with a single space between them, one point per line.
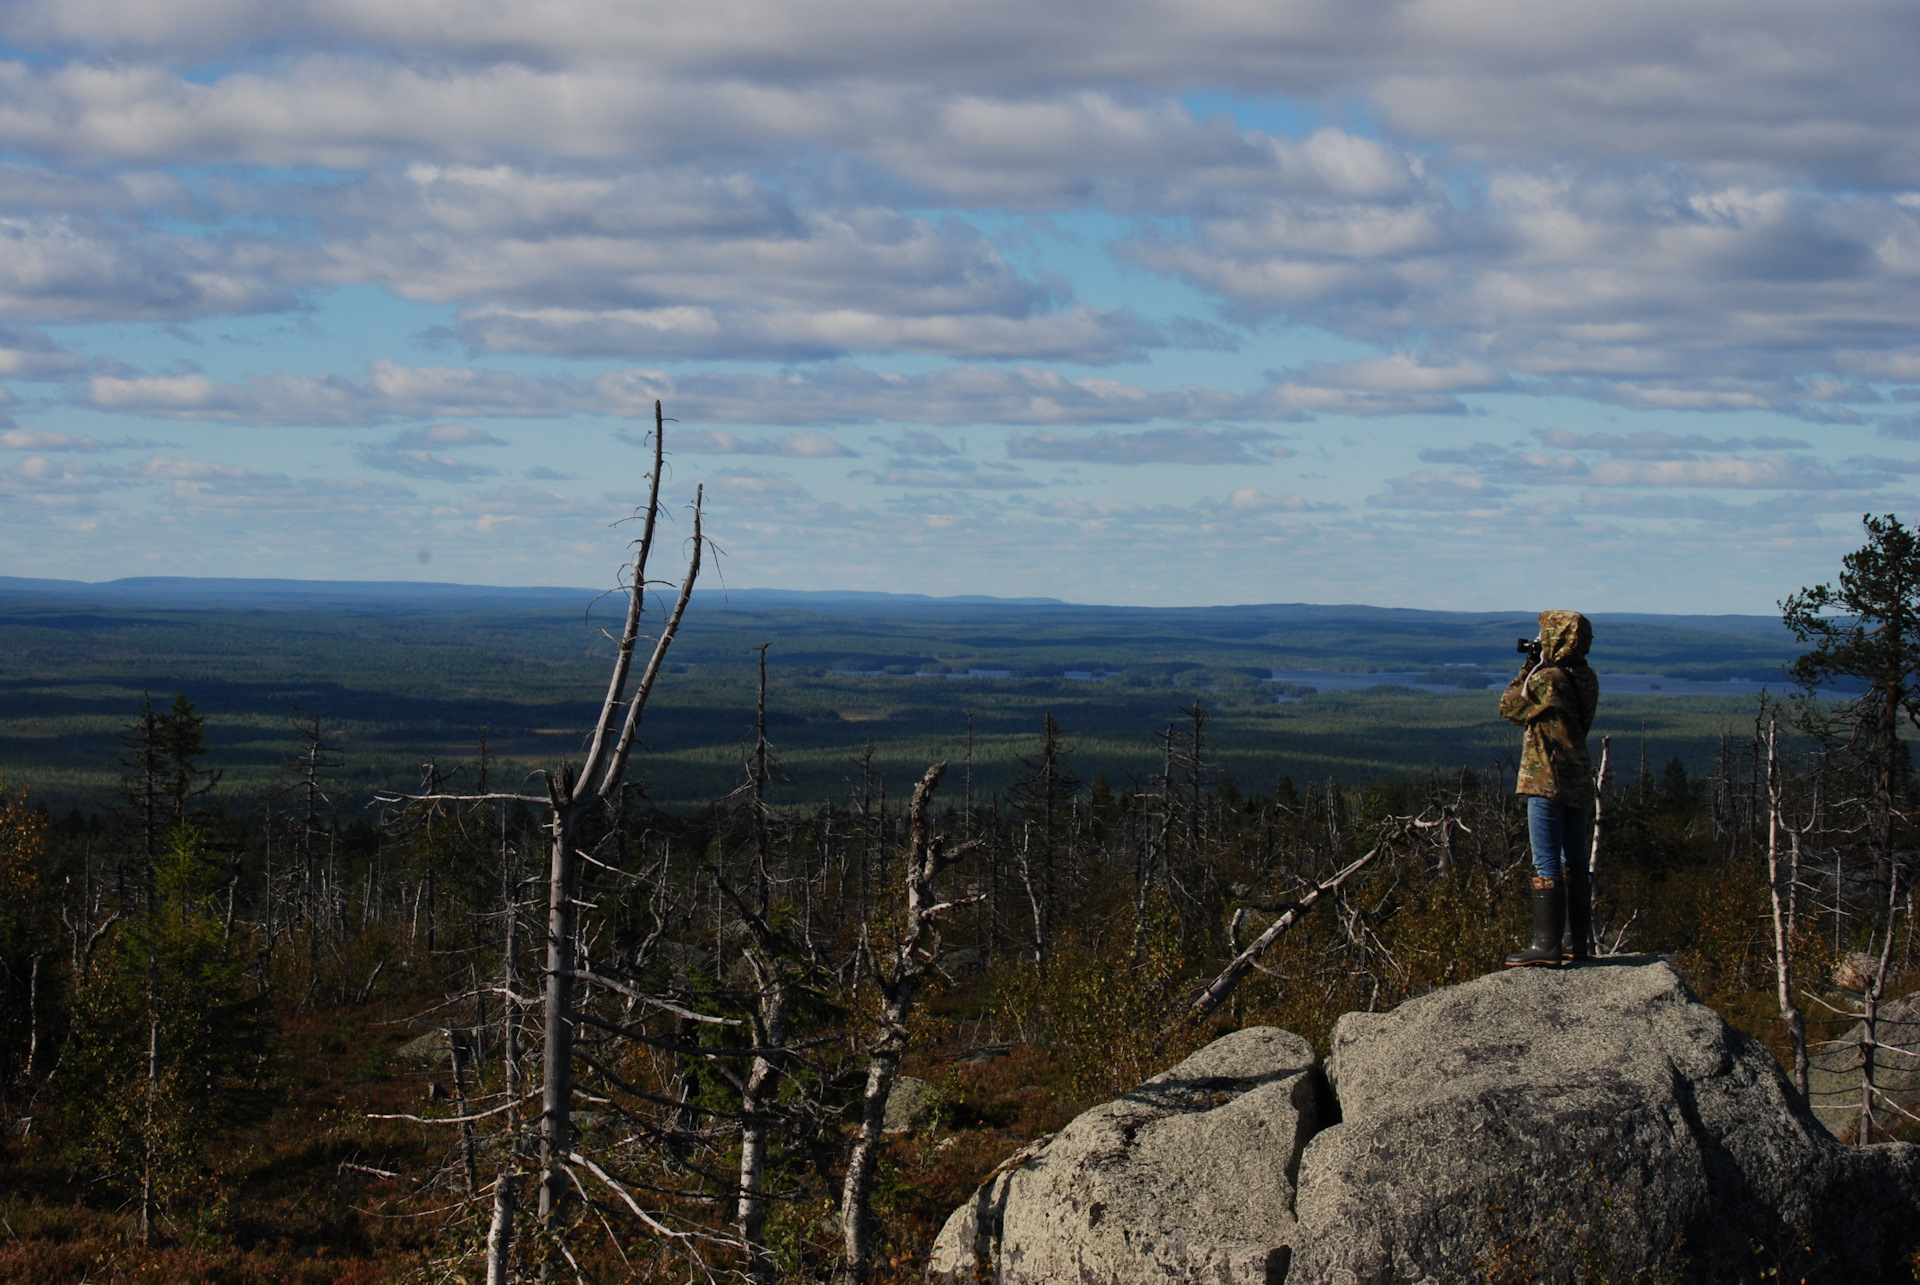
pixel 1870 998
pixel 900 977
pixel 573 795
pixel 1782 921
pixel 500 1229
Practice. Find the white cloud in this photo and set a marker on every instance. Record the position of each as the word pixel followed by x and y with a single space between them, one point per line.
pixel 954 474
pixel 40 439
pixel 1251 499
pixel 426 453
pixel 830 394
pixel 1771 82
pixel 1195 445
pixel 1441 491
pixel 745 485
pixel 1654 290
pixel 700 441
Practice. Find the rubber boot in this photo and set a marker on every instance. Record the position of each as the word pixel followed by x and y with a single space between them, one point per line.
pixel 1549 923
pixel 1576 944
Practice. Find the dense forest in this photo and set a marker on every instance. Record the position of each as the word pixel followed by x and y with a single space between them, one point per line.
pixel 483 1034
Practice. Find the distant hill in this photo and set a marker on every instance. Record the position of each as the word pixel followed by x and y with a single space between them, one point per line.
pixel 404 597
pixel 407 670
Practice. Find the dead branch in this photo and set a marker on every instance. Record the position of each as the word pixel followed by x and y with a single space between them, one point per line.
pixel 597 979
pixel 1222 986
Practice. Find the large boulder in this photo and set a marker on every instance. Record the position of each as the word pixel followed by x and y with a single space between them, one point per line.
pixel 910 1104
pixel 1594 1123
pixel 440 1048
pixel 1600 1118
pixel 1187 1178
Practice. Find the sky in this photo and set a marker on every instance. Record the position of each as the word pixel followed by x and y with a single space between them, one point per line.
pixel 1465 304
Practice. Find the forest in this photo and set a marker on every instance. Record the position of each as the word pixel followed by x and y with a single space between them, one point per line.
pixel 508 1027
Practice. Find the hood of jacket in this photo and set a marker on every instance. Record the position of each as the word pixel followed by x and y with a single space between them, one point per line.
pixel 1564 636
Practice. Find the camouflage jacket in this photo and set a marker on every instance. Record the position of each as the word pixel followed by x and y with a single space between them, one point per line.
pixel 1555 701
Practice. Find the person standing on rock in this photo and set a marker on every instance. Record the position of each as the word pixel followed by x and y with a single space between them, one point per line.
pixel 1554 698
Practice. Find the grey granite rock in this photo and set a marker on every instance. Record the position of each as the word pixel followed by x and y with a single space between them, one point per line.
pixel 438 1048
pixel 1596 1123
pixel 910 1104
pixel 1188 1177
pixel 1592 1124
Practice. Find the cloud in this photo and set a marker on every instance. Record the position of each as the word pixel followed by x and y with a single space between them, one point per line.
pixel 1078 334
pixel 681 262
pixel 728 209
pixel 77 269
pixel 833 394
pixel 1249 499
pixel 1651 290
pixel 189 483
pixel 390 391
pixel 1443 492
pixel 917 442
pixel 837 394
pixel 700 441
pixel 27 354
pixel 446 435
pixel 745 485
pixel 1761 84
pixel 953 474
pixel 423 453
pixel 33 439
pixel 1656 460
pixel 1194 445
pixel 1661 445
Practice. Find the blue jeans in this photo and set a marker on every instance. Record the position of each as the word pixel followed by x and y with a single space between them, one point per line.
pixel 1559 835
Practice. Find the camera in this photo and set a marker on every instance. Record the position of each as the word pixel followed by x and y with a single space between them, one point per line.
pixel 1527 647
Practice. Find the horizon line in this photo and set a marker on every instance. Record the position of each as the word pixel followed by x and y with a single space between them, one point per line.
pixel 395 589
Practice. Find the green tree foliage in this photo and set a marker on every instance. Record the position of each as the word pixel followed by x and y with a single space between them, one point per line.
pixel 170 1043
pixel 1868 628
pixel 160 774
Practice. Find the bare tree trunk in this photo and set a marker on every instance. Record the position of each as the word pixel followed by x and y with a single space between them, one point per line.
pixel 500 1229
pixel 1870 1013
pixel 1782 931
pixel 1033 897
pixel 149 1156
pixel 500 1232
pixel 1599 812
pixel 33 1015
pixel 761 1084
pixel 573 796
pixel 557 1094
pixel 913 958
pixel 469 1170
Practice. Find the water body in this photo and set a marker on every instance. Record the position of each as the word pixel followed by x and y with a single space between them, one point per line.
pixel 971 673
pixel 1613 684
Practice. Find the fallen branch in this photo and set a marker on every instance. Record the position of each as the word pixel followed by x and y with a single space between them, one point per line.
pixel 1222 986
pixel 455 1119
pixel 634 992
pixel 659 1228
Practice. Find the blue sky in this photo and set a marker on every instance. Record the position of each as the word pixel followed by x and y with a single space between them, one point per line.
pixel 1445 303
